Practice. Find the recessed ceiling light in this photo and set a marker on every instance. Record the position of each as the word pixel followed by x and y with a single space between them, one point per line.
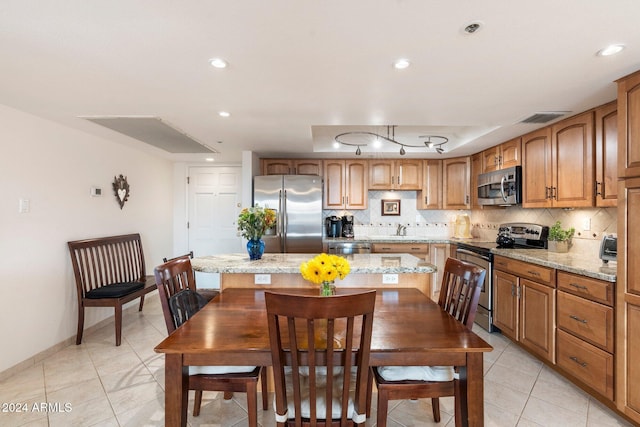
pixel 210 159
pixel 224 114
pixel 336 144
pixel 218 63
pixel 401 64
pixel 610 50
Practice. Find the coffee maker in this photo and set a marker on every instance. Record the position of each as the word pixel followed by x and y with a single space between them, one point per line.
pixel 347 226
pixel 334 226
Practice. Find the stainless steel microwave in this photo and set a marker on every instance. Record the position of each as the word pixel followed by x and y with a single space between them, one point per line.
pixel 500 188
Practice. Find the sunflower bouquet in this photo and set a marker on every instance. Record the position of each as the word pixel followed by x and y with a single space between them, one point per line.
pixel 323 270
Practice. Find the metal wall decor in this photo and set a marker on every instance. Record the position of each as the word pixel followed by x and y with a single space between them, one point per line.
pixel 121 189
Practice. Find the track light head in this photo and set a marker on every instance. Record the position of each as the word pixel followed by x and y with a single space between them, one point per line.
pixel 402 152
pixel 358 152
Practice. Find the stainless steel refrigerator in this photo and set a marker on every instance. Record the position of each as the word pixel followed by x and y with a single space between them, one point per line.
pixel 297 200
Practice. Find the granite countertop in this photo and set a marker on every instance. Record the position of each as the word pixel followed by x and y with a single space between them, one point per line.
pixel 571 262
pixel 290 263
pixel 387 239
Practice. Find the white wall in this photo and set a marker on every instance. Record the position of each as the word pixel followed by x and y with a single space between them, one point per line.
pixel 54 167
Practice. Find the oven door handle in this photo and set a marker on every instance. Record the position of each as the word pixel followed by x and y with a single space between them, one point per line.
pixel 473 254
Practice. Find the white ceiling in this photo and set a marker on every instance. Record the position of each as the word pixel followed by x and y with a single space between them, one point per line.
pixel 298 67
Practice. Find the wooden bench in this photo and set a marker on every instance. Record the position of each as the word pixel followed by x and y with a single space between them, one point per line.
pixel 109 272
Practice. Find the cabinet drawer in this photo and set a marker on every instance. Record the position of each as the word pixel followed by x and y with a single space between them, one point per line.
pixel 534 272
pixel 402 248
pixel 586 287
pixel 588 363
pixel 586 319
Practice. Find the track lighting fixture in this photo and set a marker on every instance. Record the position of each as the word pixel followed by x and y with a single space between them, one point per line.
pixel 364 138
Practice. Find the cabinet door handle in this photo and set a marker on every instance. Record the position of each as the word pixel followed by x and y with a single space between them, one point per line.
pixel 554 193
pixel 393 179
pixel 598 184
pixel 533 273
pixel 577 319
pixel 575 359
pixel 546 192
pixel 578 286
pixel 399 180
pixel 426 200
pixel 466 199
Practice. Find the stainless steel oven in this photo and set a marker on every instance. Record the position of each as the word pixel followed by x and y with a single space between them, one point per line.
pixel 483 258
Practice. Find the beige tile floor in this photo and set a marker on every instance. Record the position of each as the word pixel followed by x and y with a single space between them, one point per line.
pixel 98 384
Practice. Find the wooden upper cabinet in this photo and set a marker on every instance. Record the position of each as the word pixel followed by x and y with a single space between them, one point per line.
pixel 502 156
pixel 536 169
pixel 558 164
pixel 277 166
pixel 572 165
pixel 307 167
pixel 490 159
pixel 476 169
pixel 395 174
pixel 606 123
pixel 430 196
pixel 629 126
pixel 291 167
pixel 345 184
pixel 510 153
pixel 455 183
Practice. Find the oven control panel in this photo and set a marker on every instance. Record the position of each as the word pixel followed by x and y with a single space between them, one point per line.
pixel 524 230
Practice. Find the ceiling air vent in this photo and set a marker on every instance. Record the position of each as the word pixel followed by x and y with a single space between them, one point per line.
pixel 544 116
pixel 154 131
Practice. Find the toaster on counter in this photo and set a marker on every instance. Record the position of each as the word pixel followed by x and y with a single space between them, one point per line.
pixel 609 248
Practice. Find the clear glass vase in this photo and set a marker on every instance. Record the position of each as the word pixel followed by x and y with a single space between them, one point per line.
pixel 327 289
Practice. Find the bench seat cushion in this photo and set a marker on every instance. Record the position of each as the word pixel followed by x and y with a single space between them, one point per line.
pixel 115 290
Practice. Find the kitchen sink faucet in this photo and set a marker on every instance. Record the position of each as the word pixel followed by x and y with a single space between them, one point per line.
pixel 401 231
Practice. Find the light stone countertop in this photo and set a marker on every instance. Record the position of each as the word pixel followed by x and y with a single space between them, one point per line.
pixel 290 263
pixel 570 262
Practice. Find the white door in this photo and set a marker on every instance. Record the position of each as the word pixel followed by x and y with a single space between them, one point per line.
pixel 214 202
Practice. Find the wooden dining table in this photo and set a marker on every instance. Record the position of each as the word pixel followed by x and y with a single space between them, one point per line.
pixel 408 329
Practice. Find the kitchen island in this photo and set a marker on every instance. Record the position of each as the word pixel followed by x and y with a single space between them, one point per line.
pixel 283 271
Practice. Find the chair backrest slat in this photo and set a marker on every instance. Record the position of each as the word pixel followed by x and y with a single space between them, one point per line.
pixel 337 334
pixel 461 286
pixel 172 277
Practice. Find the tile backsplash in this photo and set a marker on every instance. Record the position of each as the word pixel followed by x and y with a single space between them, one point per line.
pixel 590 223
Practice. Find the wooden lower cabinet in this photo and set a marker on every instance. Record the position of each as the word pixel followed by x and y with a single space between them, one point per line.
pixel 524 310
pixel 586 362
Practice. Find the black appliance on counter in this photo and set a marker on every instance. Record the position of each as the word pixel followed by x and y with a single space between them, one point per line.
pixel 334 226
pixel 510 235
pixel 347 226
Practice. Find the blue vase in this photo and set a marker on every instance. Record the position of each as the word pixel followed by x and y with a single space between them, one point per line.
pixel 255 247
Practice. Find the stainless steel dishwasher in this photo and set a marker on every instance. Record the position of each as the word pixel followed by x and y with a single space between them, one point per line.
pixel 348 248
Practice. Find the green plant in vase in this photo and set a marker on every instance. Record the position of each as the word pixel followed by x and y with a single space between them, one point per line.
pixel 253 223
pixel 559 238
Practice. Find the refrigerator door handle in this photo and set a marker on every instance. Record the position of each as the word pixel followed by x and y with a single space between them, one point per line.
pixel 285 224
pixel 279 227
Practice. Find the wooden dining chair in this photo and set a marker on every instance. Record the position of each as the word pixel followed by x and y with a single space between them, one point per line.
pixel 320 353
pixel 176 287
pixel 209 294
pixel 461 286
